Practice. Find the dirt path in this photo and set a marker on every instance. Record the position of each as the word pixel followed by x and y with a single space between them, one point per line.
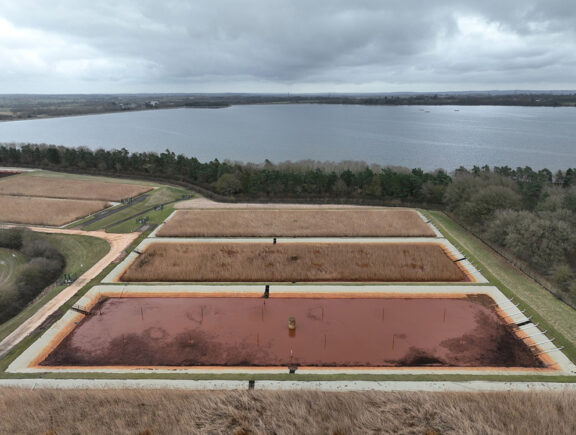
pixel 207 203
pixel 117 242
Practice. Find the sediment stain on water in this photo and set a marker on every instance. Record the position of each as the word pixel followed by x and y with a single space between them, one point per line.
pixel 362 332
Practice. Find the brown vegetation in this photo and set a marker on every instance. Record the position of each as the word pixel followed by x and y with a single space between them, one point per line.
pixel 291 412
pixel 67 188
pixel 45 211
pixel 259 262
pixel 295 223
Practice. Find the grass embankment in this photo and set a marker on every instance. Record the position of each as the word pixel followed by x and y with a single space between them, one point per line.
pixel 81 253
pixel 293 262
pixel 550 312
pixel 125 220
pixel 296 223
pixel 291 412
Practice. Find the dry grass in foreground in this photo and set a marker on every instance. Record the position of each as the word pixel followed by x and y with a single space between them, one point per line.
pixel 45 211
pixel 69 188
pixel 265 412
pixel 296 223
pixel 259 262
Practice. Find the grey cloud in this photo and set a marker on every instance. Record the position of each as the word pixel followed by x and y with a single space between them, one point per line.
pixel 231 46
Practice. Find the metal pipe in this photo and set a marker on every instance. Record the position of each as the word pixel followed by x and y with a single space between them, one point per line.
pixel 543 342
pixel 534 335
pixel 549 350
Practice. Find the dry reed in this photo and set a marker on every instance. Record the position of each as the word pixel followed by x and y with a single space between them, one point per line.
pixel 65 412
pixel 45 211
pixel 66 188
pixel 259 262
pixel 296 223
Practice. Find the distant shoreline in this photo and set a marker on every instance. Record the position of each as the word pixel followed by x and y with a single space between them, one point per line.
pixel 31 107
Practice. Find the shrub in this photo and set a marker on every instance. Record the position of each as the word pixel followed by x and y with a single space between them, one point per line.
pixel 11 238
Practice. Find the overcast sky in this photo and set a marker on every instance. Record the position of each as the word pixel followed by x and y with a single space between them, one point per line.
pixel 99 46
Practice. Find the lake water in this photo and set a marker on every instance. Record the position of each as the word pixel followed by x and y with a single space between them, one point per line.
pixel 412 136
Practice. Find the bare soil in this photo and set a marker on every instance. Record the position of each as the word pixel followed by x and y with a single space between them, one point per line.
pixel 296 223
pixel 293 262
pixel 369 332
pixel 64 188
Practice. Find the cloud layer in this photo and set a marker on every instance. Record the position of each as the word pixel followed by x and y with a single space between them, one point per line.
pixel 286 46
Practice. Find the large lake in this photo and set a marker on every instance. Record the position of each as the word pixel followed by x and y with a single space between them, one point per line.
pixel 412 136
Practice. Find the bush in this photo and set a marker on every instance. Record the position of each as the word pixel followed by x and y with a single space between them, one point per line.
pixel 11 239
pixel 563 276
pixel 482 205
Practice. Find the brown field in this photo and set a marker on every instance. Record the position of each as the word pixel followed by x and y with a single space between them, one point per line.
pixel 295 223
pixel 259 262
pixel 45 211
pixel 65 412
pixel 67 188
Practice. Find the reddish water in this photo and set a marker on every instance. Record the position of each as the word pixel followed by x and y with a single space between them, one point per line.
pixel 329 332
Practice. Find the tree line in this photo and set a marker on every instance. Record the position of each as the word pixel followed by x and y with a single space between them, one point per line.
pixel 269 181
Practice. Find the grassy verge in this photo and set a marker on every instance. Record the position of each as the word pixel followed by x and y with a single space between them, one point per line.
pixel 154 217
pixel 124 221
pixel 81 254
pixel 550 312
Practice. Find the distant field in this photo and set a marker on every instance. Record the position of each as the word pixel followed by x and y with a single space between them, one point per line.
pixel 45 211
pixel 51 187
pixel 295 223
pixel 258 262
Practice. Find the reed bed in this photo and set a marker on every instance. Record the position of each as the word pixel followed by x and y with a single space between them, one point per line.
pixel 295 223
pixel 259 262
pixel 66 188
pixel 46 211
pixel 150 412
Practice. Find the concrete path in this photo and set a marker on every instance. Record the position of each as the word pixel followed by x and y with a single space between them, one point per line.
pixel 118 242
pixel 471 386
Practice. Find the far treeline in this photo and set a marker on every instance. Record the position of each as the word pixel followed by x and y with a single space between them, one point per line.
pixel 14 107
pixel 527 214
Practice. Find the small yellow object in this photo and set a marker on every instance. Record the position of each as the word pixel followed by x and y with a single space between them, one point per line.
pixel 292 323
